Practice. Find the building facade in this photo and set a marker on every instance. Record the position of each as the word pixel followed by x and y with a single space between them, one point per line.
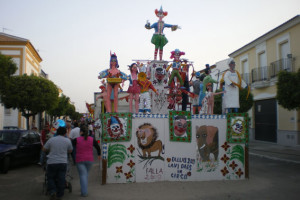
pixel 259 62
pixel 28 62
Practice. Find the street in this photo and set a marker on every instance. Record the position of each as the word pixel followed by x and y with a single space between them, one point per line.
pixel 269 179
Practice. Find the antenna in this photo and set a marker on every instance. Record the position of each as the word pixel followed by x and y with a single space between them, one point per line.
pixel 5 29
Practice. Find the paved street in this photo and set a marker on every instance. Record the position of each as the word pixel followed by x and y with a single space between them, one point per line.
pixel 269 179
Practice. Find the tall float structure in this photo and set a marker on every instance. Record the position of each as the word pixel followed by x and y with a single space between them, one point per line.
pixel 170 144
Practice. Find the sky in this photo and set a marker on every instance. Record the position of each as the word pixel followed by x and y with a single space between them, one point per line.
pixel 75 37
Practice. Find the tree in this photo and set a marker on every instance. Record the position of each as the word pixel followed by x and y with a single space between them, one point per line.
pixel 288 93
pixel 60 108
pixel 7 69
pixel 30 95
pixel 245 103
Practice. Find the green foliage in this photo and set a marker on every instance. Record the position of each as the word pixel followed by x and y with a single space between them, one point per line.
pixel 238 153
pixel 245 103
pixel 288 93
pixel 30 94
pixel 70 110
pixel 116 153
pixel 61 107
pixel 7 69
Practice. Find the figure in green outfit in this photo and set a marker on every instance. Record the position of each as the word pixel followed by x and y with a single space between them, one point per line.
pixel 158 38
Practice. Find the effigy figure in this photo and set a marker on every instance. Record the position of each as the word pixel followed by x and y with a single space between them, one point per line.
pixel 209 100
pixel 134 88
pixel 145 101
pixel 233 82
pixel 158 38
pixel 176 66
pixel 114 77
pixel 104 95
pixel 207 79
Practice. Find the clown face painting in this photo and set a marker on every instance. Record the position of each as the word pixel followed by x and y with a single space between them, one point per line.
pixel 160 74
pixel 180 126
pixel 116 127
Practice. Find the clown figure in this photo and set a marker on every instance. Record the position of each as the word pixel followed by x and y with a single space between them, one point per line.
pixel 176 66
pixel 134 88
pixel 158 38
pixel 145 84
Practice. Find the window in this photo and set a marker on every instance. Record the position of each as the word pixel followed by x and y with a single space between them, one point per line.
pixel 262 64
pixel 245 68
pixel 284 51
pixel 7 111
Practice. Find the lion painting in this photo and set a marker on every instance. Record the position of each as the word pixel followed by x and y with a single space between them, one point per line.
pixel 146 135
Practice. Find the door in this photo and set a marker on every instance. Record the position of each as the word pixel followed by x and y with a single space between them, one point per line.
pixel 266 120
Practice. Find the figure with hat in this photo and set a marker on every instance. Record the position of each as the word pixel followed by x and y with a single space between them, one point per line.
pixel 134 88
pixel 145 101
pixel 176 66
pixel 158 38
pixel 196 90
pixel 233 83
pixel 207 79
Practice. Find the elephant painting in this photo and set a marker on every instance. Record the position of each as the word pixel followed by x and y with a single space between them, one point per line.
pixel 208 142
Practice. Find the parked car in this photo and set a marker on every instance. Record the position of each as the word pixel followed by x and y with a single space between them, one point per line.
pixel 18 147
pixel 11 128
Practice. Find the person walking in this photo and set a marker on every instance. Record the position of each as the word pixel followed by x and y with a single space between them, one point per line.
pixel 58 148
pixel 74 133
pixel 84 157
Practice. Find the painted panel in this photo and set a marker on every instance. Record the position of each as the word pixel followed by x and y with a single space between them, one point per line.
pixel 150 148
pixel 213 152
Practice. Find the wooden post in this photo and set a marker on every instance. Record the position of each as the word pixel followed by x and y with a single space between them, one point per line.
pixel 104 171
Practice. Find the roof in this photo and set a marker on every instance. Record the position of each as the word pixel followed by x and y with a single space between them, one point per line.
pixel 6 39
pixel 288 24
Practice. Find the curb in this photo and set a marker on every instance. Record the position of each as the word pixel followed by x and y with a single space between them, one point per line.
pixel 275 158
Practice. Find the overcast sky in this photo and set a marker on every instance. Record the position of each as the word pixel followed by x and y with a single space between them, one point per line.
pixel 75 37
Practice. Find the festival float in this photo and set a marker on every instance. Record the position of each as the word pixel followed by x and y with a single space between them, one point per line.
pixel 159 140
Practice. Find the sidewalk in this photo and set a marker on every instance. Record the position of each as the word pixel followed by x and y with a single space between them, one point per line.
pixel 274 151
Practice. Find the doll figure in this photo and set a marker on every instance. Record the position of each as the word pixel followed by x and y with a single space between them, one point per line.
pixel 134 88
pixel 104 95
pixel 208 101
pixel 114 78
pixel 158 38
pixel 176 66
pixel 145 101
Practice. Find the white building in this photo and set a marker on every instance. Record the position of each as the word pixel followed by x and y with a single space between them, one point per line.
pixel 28 62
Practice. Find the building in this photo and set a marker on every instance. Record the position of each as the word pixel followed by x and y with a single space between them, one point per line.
pixel 28 61
pixel 259 62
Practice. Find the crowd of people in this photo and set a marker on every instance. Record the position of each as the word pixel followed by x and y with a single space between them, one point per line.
pixel 65 140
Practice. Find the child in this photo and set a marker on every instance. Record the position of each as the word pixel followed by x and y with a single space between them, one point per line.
pixel 209 101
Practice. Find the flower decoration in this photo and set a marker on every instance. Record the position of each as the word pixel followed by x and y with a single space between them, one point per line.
pixel 239 172
pixel 224 171
pixel 225 146
pixel 128 175
pixel 233 165
pixel 131 148
pixel 119 169
pixel 131 164
pixel 225 158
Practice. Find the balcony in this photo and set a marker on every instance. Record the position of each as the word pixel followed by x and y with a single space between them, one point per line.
pixel 286 64
pixel 267 76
